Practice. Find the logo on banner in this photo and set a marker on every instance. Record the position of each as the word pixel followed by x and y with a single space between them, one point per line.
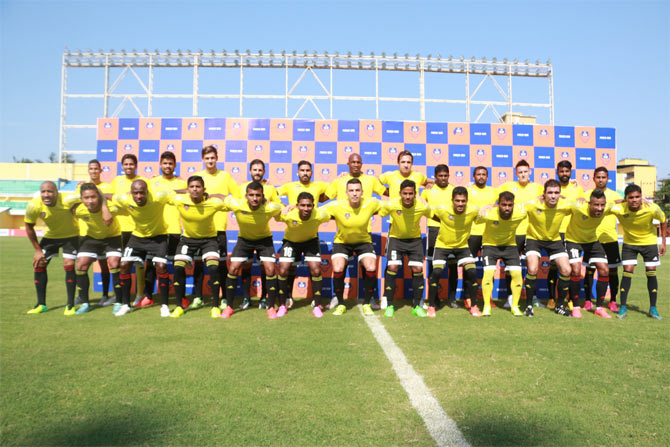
pixel 414 131
pixel 544 132
pixel 370 172
pixel 458 130
pixel 586 177
pixel 348 149
pixel 280 172
pixel 302 284
pixel 437 153
pixel 325 171
pixel 565 155
pixel 235 170
pixel 106 169
pixel 324 262
pixel 302 149
pixel 170 147
pixel 605 157
pixel 258 148
pixel 523 154
pixel 502 133
pixel 502 175
pixel 538 211
pixel 370 130
pixel 149 125
pixel 325 129
pixel 107 128
pixel 480 154
pixel 190 170
pixel 192 126
pixel 544 176
pixel 281 126
pixel 237 127
pixel 459 177
pixel 393 150
pixel 127 147
pixel 585 136
pixel 148 169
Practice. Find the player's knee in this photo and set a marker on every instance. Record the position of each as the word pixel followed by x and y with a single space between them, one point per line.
pixel 160 267
pixel 603 270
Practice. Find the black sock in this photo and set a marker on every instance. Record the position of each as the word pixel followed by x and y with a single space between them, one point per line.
pixel 390 286
pixel 470 283
pixel 338 286
pixel 104 277
pixel 126 284
pixel 614 284
pixel 213 272
pixel 149 279
pixel 588 284
pixel 41 280
pixel 264 284
pixel 552 277
pixel 369 281
pixel 179 282
pixel 563 291
pixel 574 290
pixel 83 284
pixel 231 285
pixel 246 283
pixel 418 287
pixel 652 287
pixel 70 284
pixel 164 287
pixel 317 289
pixel 433 285
pixel 282 281
pixel 531 286
pixel 199 279
pixel 223 279
pixel 291 282
pixel 271 282
pixel 453 281
pixel 625 287
pixel 601 290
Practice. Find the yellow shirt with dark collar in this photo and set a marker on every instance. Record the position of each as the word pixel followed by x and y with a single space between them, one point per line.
pixel 607 229
pixel 219 183
pixel 481 197
pixel 393 179
pixel 582 228
pixel 254 224
pixel 95 227
pixel 499 232
pixel 531 191
pixel 436 197
pixel 571 192
pixel 148 219
pixel 338 188
pixel 104 188
pixel 298 230
pixel 405 222
pixel 454 228
pixel 119 186
pixel 352 223
pixel 292 190
pixel 638 226
pixel 197 218
pixel 544 222
pixel 59 219
pixel 269 192
pixel 170 213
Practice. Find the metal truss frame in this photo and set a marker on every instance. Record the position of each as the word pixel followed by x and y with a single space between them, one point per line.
pixel 491 71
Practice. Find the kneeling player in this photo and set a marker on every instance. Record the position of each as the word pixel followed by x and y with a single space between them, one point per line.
pixel 302 237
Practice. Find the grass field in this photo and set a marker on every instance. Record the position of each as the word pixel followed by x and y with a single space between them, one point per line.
pixel 140 379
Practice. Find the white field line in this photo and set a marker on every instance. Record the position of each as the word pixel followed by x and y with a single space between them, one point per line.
pixel 440 426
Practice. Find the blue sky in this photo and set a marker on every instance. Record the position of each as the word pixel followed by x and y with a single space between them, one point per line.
pixel 610 58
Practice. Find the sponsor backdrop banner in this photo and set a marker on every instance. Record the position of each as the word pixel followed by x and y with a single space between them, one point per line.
pixel 282 142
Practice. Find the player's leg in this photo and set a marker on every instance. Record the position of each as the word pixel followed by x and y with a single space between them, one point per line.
pixel 522 250
pixel 41 277
pixel 135 252
pixel 105 277
pixel 183 258
pixel 418 284
pixel 70 247
pixel 368 259
pixel 588 286
pixel 266 252
pixel 470 283
pixel 317 285
pixel 431 239
pixel 614 261
pixel 113 254
pixel 533 264
pixel 339 259
pixel 490 260
pixel 286 258
pixel 475 246
pixel 439 258
pixel 394 259
pixel 245 275
pixel 83 262
pixel 157 249
pixel 242 252
pixel 576 259
pixel 452 282
pixel 650 255
pixel 149 279
pixel 222 241
pixel 601 287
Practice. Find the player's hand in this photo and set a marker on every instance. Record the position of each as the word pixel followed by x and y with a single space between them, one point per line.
pixel 37 257
pixel 661 250
pixel 581 200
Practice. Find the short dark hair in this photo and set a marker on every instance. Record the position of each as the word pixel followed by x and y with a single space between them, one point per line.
pixel 209 149
pixel 305 195
pixel 601 169
pixel 168 155
pixel 631 189
pixel 354 181
pixel 552 183
pixel 129 157
pixel 564 164
pixel 474 171
pixel 255 186
pixel 597 194
pixel 304 162
pixel 89 186
pixel 94 161
pixel 195 178
pixel 404 153
pixel 459 191
pixel 256 161
pixel 441 168
pixel 506 196
pixel 407 183
pixel 521 163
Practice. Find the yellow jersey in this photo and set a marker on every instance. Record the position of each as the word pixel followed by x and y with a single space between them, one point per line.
pixel 338 188
pixel 393 179
pixel 104 188
pixel 352 223
pixel 436 197
pixel 269 192
pixel 607 229
pixel 454 228
pixel 197 218
pixel 95 227
pixel 121 185
pixel 522 194
pixel 298 230
pixel 59 219
pixel 170 213
pixel 292 190
pixel 480 197
pixel 499 232
pixel 405 221
pixel 638 227
pixel 571 192
pixel 544 222
pixel 219 183
pixel 148 219
pixel 583 228
pixel 254 224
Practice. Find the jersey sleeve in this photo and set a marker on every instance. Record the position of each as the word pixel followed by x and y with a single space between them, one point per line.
pixel 384 179
pixel 331 190
pixel 422 179
pixel 385 209
pixel 70 199
pixel 274 197
pixel 322 216
pixel 658 213
pixel 231 203
pixel 377 187
pixel 32 212
pixel 282 190
pixel 233 187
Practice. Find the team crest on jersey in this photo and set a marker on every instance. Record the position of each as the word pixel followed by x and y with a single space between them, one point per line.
pixel 523 154
pixel 148 169
pixel 347 215
pixel 302 149
pixel 370 172
pixel 538 211
pixel 192 126
pixel 480 154
pixel 564 154
pixel 127 147
pixel 258 148
pixel 501 133
pixel 626 215
pixel 584 217
pixel 43 214
pixel 393 150
pixel 86 218
pixel 186 207
pixel 348 149
pixel 294 223
pixel 585 136
pixel 398 212
pixel 544 132
pixel 495 222
pixel 451 217
pixel 458 130
pixel 190 170
pixel 370 130
pixel 131 207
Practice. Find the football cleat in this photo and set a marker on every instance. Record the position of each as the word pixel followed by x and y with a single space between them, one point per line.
pixel 227 312
pixel 38 309
pixel 467 303
pixel 317 312
pixel 367 310
pixel 602 312
pixel 431 312
pixel 165 311
pixel 623 312
pixel 588 305
pixel 116 308
pixel 146 301
pixel 612 306
pixel 508 303
pixel 272 313
pixel 576 312
pixel 263 304
pixel 215 312
pixel 452 304
pixel 176 313
pixel 108 302
pixel 69 311
pixel 281 311
pixel 562 310
pixel 196 304
pixel 390 311
pixel 474 311
pixel 185 303
pixel 383 303
pixel 123 310
pixel 333 303
pixel 84 308
pixel 487 311
pixel 653 313
pixel 289 303
pixel 340 309
pixel 516 311
pixel 419 311
pixel 246 304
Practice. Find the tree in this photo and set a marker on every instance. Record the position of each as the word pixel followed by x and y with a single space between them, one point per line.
pixel 66 158
pixel 662 196
pixel 25 160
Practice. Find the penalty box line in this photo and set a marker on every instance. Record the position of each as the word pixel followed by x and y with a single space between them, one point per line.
pixel 441 427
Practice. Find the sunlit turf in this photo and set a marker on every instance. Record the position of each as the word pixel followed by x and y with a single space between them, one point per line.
pixel 101 380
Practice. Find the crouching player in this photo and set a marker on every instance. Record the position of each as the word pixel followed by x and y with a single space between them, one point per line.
pixel 99 240
pixel 301 237
pixel 199 236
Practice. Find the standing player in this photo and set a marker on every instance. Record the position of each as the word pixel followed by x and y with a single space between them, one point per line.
pixel 352 217
pixel 148 240
pixel 479 195
pixel 440 194
pixel 371 185
pixel 101 242
pixel 305 184
pixel 499 241
pixel 582 244
pixel 199 237
pixel 62 233
pixel 544 219
pixel 302 237
pixel 394 179
pixel 639 237
pixel 217 182
pixel 253 216
pixel 524 190
pixel 456 220
pixel 166 182
pixel 609 239
pixel 405 240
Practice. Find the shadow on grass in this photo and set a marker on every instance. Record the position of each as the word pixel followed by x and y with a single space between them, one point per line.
pixel 496 429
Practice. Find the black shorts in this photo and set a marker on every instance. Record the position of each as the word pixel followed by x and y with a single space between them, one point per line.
pixel 554 249
pixel 99 248
pixel 475 244
pixel 362 250
pixel 509 254
pixel 593 252
pixel 69 245
pixel 613 253
pixel 397 248
pixel 222 240
pixel 431 239
pixel 141 248
pixel 245 248
pixel 188 248
pixel 290 251
pixel 125 237
pixel 521 245
pixel 173 242
pixel 629 255
pixel 461 256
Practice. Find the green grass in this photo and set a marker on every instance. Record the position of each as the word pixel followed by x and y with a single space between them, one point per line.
pixel 143 380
